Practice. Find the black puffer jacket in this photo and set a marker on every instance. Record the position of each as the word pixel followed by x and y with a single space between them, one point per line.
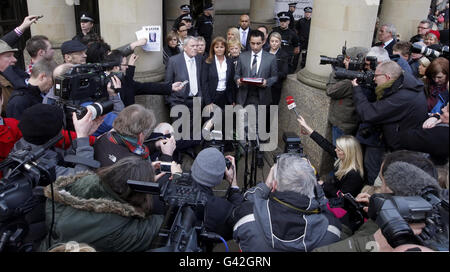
pixel 402 107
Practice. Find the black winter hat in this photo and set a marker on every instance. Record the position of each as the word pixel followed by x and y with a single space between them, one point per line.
pixel 40 123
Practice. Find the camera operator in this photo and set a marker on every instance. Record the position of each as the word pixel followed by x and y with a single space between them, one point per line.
pixel 42 122
pixel 102 210
pixel 131 128
pixel 40 82
pixel 400 105
pixel 410 173
pixel 207 171
pixel 130 87
pixel 285 213
pixel 342 115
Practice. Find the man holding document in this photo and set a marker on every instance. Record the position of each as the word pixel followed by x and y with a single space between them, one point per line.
pixel 256 72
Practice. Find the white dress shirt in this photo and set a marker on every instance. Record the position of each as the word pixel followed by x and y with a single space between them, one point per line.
pixel 192 71
pixel 258 60
pixel 222 74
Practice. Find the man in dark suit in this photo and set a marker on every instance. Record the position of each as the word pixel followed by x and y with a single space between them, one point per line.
pixel 387 35
pixel 186 66
pixel 244 30
pixel 256 63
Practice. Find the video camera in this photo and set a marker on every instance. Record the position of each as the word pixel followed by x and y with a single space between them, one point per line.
pixel 182 229
pixel 85 83
pixel 357 64
pixel 393 215
pixel 24 170
pixel 363 78
pixel 430 52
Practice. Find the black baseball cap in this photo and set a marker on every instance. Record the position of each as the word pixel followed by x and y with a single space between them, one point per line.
pixel 72 46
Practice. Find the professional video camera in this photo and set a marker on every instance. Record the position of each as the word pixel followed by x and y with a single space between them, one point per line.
pixel 393 213
pixel 85 83
pixel 24 170
pixel 182 229
pixel 363 78
pixel 429 52
pixel 354 64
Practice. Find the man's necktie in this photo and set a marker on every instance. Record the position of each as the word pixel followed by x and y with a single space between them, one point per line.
pixel 254 66
pixel 193 77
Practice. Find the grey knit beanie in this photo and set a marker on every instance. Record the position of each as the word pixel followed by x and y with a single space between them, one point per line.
pixel 405 179
pixel 209 167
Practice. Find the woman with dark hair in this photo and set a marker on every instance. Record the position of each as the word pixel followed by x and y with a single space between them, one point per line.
pixel 436 80
pixel 171 48
pixel 217 76
pixel 102 210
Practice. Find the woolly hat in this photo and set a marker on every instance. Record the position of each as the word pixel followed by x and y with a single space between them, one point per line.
pixel 405 179
pixel 209 167
pixel 436 33
pixel 40 123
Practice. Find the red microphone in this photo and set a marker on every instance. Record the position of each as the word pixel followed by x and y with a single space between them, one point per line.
pixel 291 105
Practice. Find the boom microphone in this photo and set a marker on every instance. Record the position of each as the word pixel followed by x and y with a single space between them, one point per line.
pixel 291 105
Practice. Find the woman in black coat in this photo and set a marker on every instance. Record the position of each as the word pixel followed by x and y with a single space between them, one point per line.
pixel 282 62
pixel 217 76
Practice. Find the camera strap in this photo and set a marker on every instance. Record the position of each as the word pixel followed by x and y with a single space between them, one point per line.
pixel 79 160
pixel 315 211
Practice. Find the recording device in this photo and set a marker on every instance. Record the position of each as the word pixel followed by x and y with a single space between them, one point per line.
pixel 430 52
pixel 165 167
pixel 84 83
pixel 363 78
pixel 393 215
pixel 182 229
pixel 357 64
pixel 354 209
pixel 184 83
pixel 291 105
pixel 24 170
pixel 292 145
pixel 39 17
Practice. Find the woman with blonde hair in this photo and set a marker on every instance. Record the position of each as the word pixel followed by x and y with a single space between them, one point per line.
pixel 233 34
pixel 349 169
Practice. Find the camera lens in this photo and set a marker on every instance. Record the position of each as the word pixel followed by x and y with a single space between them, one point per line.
pixel 100 108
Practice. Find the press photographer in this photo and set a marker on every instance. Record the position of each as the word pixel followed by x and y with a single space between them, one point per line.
pixel 403 173
pixel 286 213
pixel 101 210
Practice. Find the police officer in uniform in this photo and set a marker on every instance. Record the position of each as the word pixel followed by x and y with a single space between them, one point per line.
pixel 87 26
pixel 291 15
pixel 303 27
pixel 205 25
pixel 185 10
pixel 289 39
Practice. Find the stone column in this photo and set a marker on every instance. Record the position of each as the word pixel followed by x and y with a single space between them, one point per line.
pixel 58 23
pixel 261 12
pixel 119 22
pixel 405 15
pixel 333 23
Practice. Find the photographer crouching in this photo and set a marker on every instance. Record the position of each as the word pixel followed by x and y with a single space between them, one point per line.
pixel 102 210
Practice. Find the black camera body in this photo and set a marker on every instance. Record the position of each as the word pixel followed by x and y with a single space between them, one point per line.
pixel 393 215
pixel 363 78
pixel 182 228
pixel 24 170
pixel 85 83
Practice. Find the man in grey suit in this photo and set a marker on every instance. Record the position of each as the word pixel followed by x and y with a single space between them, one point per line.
pixel 256 63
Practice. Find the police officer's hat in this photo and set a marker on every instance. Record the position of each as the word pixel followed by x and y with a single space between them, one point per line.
pixel 308 9
pixel 86 17
pixel 283 16
pixel 187 17
pixel 208 7
pixel 292 4
pixel 185 8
